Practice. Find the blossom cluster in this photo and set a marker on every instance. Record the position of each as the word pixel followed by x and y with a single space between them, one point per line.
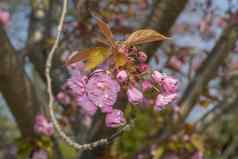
pixel 43 126
pixel 4 18
pixel 100 88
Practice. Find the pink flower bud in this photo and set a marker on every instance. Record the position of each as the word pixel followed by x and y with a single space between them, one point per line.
pixel 157 76
pixel 146 85
pixel 142 56
pixel 143 67
pixel 43 126
pixel 134 95
pixel 162 100
pixel 4 18
pixel 122 76
pixel 115 119
pixel 62 97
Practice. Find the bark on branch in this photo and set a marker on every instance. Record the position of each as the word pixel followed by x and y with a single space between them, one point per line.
pixel 16 87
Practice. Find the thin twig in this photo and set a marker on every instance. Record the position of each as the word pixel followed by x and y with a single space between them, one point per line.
pixel 58 129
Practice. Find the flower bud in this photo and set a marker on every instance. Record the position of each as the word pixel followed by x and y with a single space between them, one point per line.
pixel 4 18
pixel 143 67
pixel 115 119
pixel 63 98
pixel 146 85
pixel 122 76
pixel 43 126
pixel 142 57
pixel 157 76
pixel 134 95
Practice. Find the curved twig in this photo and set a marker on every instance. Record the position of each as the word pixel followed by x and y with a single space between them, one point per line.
pixel 58 129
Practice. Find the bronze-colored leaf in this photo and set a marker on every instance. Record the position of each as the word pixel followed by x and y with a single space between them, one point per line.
pixel 120 59
pixel 77 56
pixel 105 29
pixel 96 56
pixel 144 36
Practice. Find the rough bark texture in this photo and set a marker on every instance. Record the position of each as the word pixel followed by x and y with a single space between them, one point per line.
pixel 16 87
pixel 210 66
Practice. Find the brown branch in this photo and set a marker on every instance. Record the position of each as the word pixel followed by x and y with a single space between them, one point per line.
pixel 16 88
pixel 216 116
pixel 168 12
pixel 210 66
pixel 36 33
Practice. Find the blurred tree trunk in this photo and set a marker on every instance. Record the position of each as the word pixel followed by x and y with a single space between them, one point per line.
pixel 223 47
pixel 16 88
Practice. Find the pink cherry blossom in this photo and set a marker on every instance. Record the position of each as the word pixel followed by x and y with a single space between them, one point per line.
pixel 122 76
pixel 163 99
pixel 43 126
pixel 106 109
pixel 168 83
pixel 4 18
pixel 88 107
pixel 135 96
pixel 102 90
pixel 75 85
pixel 115 119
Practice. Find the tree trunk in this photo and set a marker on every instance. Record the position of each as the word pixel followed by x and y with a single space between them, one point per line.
pixel 16 87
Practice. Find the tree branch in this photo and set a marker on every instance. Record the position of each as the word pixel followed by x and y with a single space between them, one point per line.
pixel 210 66
pixel 16 88
pixel 40 24
pixel 169 10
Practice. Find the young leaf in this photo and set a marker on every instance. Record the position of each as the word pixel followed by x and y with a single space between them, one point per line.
pixel 77 56
pixel 96 56
pixel 144 36
pixel 120 59
pixel 106 31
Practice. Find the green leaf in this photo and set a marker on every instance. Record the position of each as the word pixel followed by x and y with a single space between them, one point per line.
pixel 96 56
